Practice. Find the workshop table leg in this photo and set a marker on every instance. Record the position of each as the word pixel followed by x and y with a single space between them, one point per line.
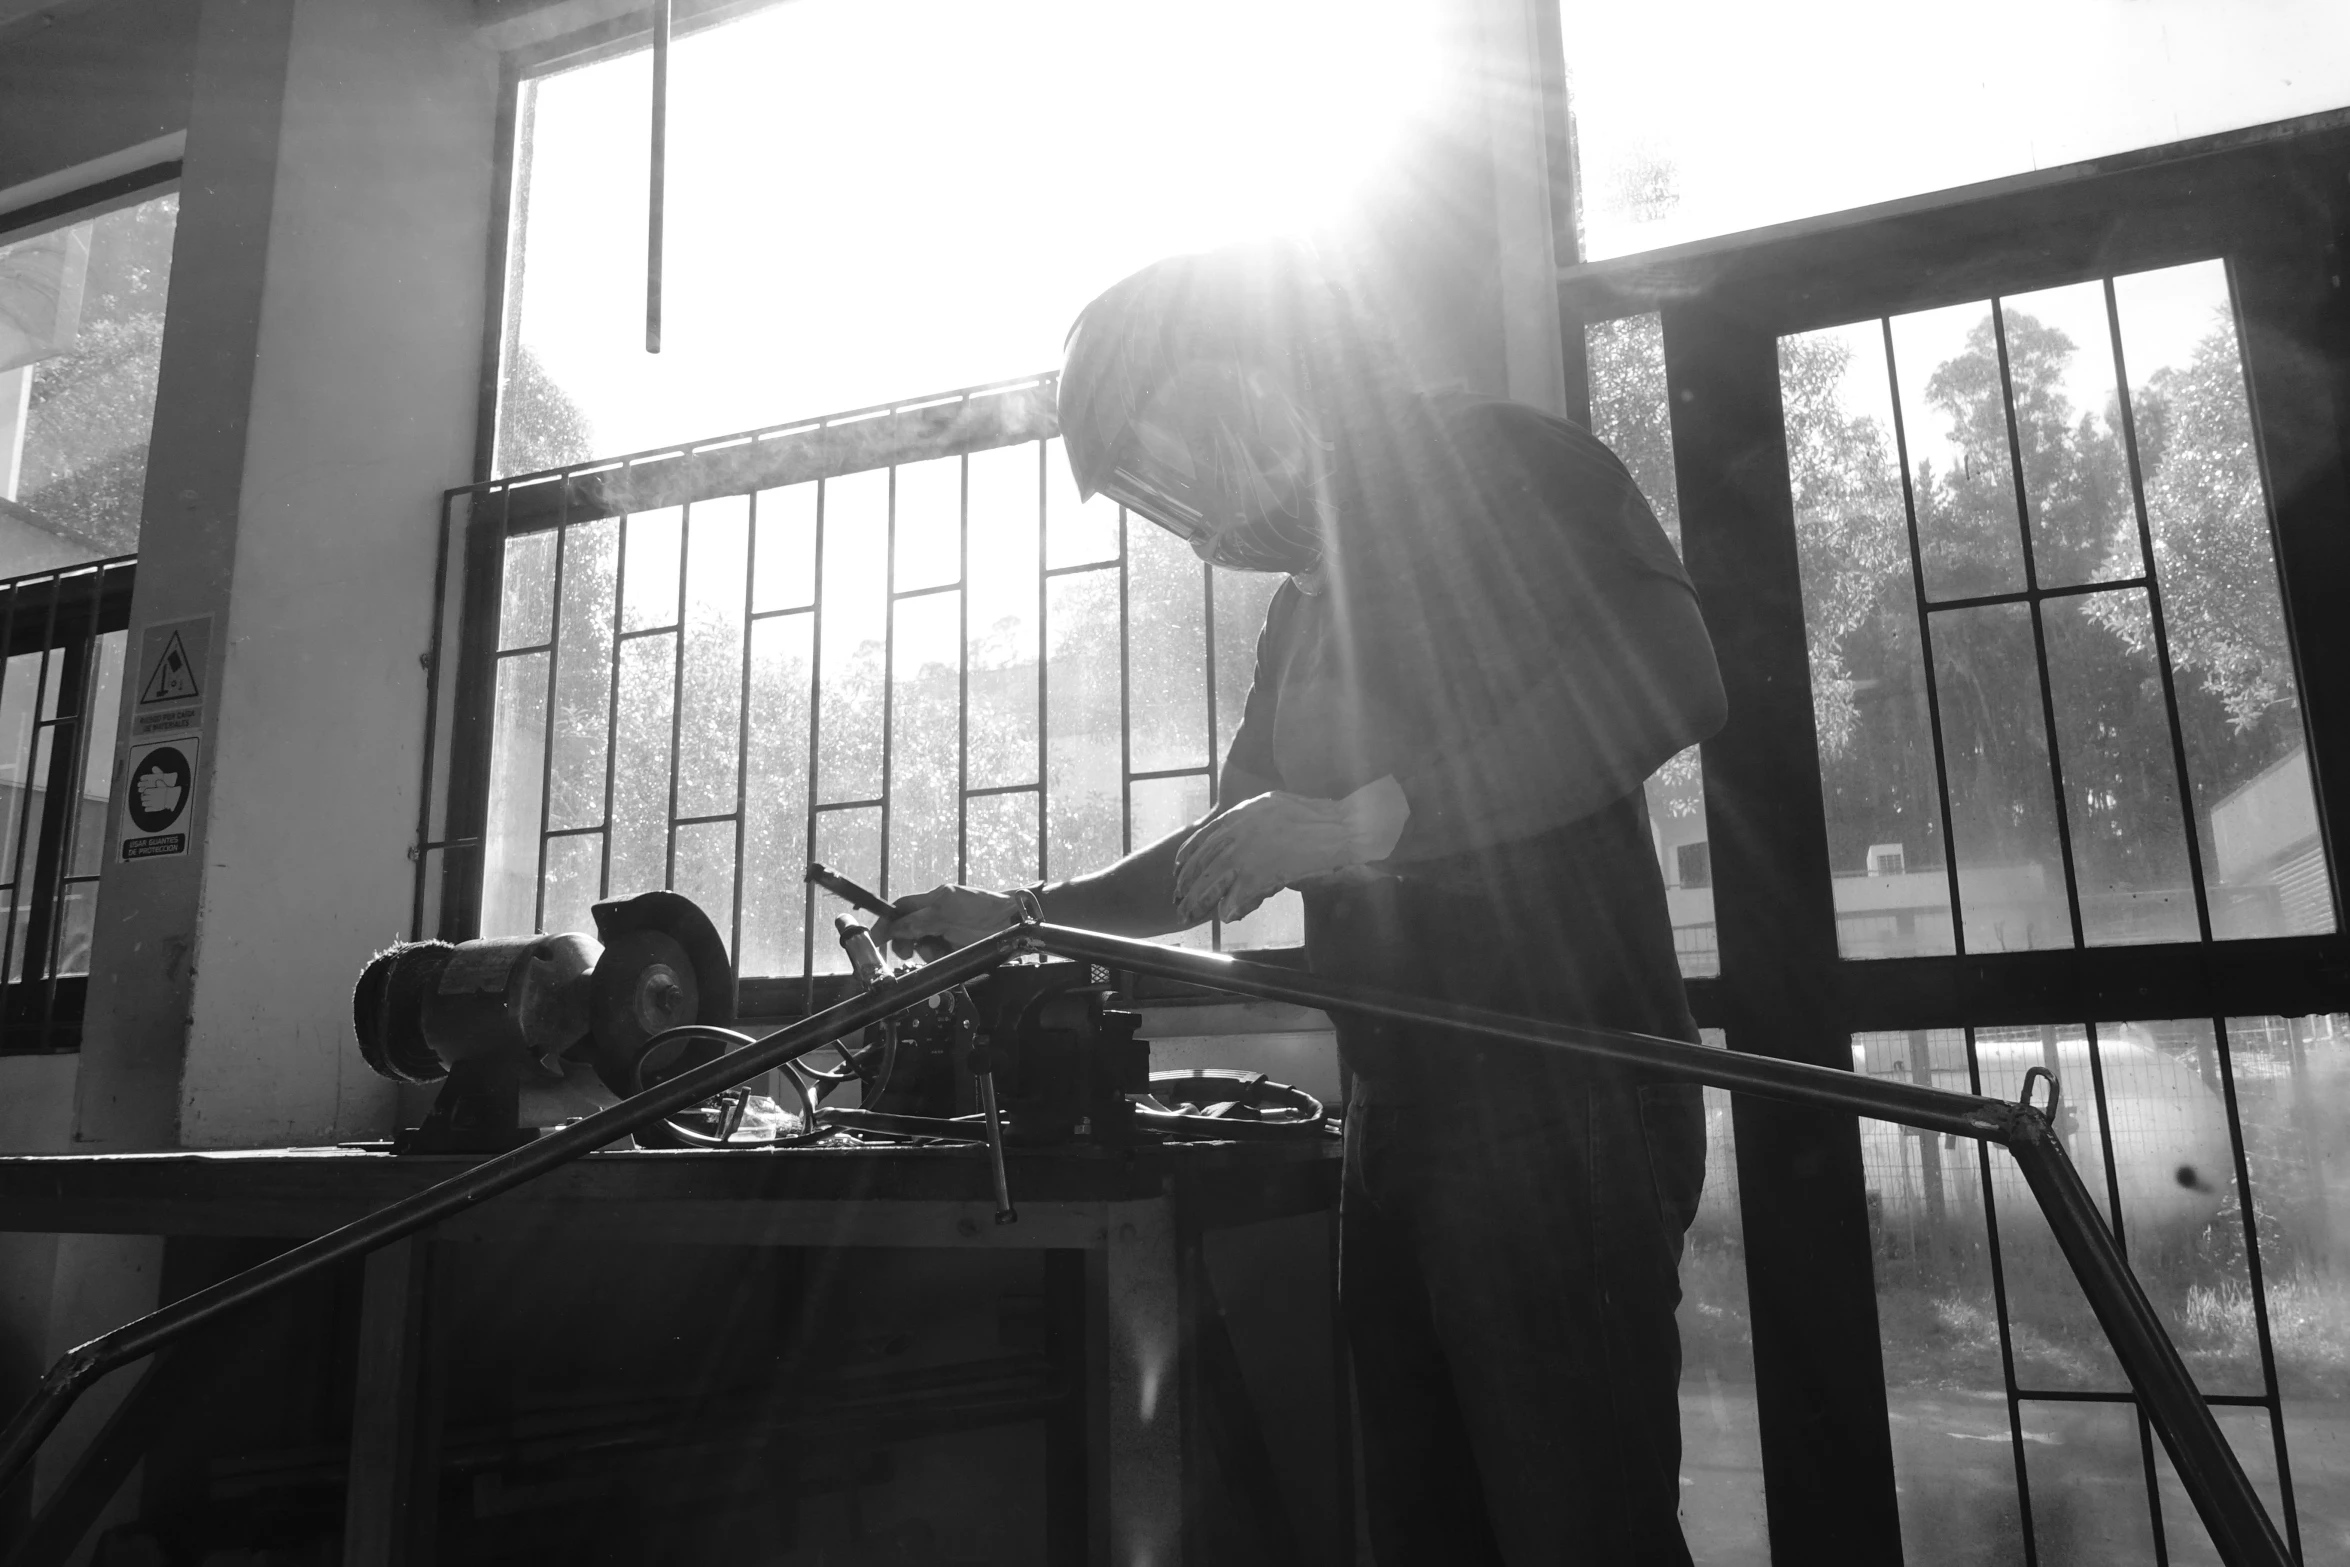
pixel 383 1520
pixel 1142 1413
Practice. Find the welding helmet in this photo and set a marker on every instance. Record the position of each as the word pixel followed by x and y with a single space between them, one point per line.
pixel 1184 397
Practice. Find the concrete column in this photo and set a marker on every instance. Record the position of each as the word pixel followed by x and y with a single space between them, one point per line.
pixel 318 393
pixel 363 412
pixel 144 947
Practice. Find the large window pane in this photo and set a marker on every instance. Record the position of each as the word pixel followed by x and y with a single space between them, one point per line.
pixel 2121 783
pixel 798 284
pixel 928 522
pixel 775 796
pixel 2069 433
pixel 518 751
pixel 710 723
pixel 1870 708
pixel 1730 116
pixel 641 766
pixel 1003 629
pixel 1084 779
pixel 1954 432
pixel 583 676
pixel 855 625
pixel 2003 803
pixel 81 336
pixel 1631 413
pixel 2239 706
pixel 925 758
pixel 1166 621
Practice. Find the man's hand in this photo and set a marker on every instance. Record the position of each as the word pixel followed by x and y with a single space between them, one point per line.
pixel 945 918
pixel 1277 840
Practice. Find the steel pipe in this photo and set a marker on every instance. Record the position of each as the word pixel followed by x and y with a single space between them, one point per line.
pixel 1911 1104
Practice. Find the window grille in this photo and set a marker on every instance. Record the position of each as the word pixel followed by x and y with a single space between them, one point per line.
pixel 62 634
pixel 890 639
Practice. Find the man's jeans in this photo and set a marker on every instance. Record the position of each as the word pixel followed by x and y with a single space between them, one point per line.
pixel 1508 1275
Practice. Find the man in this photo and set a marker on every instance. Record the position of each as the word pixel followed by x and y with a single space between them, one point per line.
pixel 1484 646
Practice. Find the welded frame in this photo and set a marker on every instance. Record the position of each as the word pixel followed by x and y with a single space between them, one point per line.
pixel 2222 1492
pixel 2271 203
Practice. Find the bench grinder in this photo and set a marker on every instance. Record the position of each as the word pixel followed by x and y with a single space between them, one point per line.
pixel 528 1031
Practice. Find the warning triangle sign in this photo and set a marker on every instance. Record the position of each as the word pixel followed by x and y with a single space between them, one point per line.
pixel 173 680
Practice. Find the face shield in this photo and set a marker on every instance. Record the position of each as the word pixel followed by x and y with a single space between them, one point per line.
pixel 1224 456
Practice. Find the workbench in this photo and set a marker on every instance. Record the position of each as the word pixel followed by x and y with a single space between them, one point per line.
pixel 1162 1343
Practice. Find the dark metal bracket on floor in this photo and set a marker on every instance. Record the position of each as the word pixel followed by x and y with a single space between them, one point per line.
pixel 2223 1494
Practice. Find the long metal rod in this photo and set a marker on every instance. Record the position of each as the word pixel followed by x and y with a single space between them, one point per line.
pixel 2222 1492
pixel 1911 1104
pixel 86 1363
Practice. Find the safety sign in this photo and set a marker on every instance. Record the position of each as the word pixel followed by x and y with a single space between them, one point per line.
pixel 171 677
pixel 160 786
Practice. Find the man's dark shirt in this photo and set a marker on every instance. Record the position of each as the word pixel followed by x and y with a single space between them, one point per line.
pixel 1486 596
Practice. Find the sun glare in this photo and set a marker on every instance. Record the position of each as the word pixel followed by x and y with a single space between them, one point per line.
pixel 872 201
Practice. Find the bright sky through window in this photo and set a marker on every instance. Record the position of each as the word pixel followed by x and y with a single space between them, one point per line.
pixel 872 199
pixel 1705 117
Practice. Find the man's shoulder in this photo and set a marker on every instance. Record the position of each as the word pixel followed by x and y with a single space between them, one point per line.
pixel 1530 464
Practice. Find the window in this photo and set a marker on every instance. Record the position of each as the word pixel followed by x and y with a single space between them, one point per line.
pixel 81 334
pixel 838 236
pixel 1695 864
pixel 1752 115
pixel 2082 721
pixel 713 667
pixel 2003 514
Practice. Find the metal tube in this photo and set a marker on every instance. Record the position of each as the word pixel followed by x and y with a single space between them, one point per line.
pixel 1937 1109
pixel 84 1364
pixel 2222 1492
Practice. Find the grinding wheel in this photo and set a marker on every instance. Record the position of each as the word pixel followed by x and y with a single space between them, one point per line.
pixel 644 984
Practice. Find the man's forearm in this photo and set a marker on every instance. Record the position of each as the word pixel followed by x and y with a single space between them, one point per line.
pixel 1134 897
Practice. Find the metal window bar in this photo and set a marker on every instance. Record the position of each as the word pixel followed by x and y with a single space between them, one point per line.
pixel 2223 1494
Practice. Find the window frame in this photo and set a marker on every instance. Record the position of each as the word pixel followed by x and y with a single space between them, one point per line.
pixel 46 612
pixel 2273 203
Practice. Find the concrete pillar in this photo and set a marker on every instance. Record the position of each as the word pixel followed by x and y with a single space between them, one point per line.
pixel 143 950
pixel 318 392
